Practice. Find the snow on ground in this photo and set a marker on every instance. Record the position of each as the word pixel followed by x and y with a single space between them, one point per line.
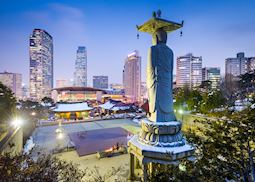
pixel 29 145
pixel 91 161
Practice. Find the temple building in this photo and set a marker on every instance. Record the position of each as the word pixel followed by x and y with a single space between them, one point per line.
pixel 72 111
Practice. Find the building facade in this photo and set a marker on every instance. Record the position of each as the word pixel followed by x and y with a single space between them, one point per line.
pixel 235 67
pixel 77 94
pixel 80 73
pixel 100 82
pixel 251 63
pixel 41 64
pixel 132 77
pixel 25 92
pixel 212 74
pixel 64 83
pixel 12 81
pixel 116 86
pixel 189 71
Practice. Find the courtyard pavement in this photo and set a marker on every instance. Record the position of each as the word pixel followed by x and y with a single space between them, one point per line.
pixel 47 141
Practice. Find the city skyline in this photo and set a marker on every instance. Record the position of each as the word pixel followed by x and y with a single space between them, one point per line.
pixel 209 28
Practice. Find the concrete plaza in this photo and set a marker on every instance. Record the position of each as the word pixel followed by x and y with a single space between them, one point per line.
pixel 47 141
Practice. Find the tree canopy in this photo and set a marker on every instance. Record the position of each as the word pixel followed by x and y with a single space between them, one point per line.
pixel 7 104
pixel 225 150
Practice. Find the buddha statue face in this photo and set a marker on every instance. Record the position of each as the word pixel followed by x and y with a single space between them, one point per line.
pixel 160 36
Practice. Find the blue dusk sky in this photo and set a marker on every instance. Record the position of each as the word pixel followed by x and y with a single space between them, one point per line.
pixel 213 29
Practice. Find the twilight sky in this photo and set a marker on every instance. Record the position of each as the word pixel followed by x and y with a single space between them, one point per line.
pixel 214 30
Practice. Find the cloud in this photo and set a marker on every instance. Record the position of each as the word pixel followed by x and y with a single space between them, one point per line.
pixel 54 13
pixel 69 11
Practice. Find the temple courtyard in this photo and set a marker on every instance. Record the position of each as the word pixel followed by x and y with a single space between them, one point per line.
pixel 94 134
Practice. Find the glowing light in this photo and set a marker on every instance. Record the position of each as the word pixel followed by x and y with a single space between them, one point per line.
pixel 17 122
pixel 182 167
pixel 33 113
pixel 180 111
pixel 59 130
pixel 60 135
pixel 109 150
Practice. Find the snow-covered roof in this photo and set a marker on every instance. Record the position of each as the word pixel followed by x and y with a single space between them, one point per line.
pixel 72 107
pixel 121 106
pixel 108 105
pixel 117 108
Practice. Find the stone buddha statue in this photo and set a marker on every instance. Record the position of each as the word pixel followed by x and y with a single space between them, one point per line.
pixel 159 79
pixel 160 68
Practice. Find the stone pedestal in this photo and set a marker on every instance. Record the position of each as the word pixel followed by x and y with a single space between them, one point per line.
pixel 157 142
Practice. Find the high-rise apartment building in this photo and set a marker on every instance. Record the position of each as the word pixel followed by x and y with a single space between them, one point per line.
pixel 189 71
pixel 100 82
pixel 41 64
pixel 25 92
pixel 132 77
pixel 12 81
pixel 252 64
pixel 212 74
pixel 235 67
pixel 80 73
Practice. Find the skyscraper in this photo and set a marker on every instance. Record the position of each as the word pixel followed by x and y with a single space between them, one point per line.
pixel 235 67
pixel 132 77
pixel 189 71
pixel 12 81
pixel 100 82
pixel 41 64
pixel 80 73
pixel 212 74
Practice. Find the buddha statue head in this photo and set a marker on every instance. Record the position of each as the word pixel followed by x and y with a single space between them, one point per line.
pixel 160 36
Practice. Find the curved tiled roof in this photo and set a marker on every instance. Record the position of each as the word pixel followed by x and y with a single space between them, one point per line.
pixel 78 89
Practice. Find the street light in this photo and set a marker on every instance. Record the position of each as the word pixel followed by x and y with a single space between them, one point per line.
pixel 33 113
pixel 180 111
pixel 17 122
